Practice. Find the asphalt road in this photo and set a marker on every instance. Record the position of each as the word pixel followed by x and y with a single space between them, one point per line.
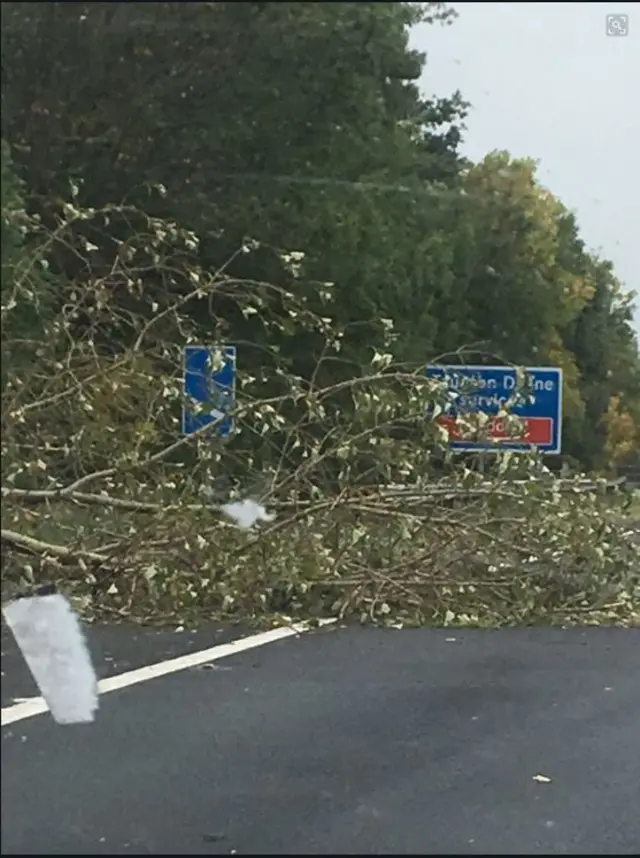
pixel 340 741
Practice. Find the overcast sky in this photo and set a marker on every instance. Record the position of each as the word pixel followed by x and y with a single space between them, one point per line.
pixel 546 81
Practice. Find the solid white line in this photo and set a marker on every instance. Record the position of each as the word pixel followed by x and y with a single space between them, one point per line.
pixel 36 705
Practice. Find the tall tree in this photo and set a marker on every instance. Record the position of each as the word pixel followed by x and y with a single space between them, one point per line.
pixel 299 124
pixel 606 353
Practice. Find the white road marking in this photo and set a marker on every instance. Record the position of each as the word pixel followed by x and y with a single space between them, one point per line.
pixel 36 706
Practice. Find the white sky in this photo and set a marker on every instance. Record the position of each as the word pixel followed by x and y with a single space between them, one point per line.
pixel 545 81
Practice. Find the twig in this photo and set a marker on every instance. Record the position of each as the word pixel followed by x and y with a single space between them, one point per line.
pixel 38 495
pixel 150 460
pixel 40 547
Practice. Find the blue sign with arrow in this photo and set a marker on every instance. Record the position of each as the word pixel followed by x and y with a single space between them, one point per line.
pixel 209 388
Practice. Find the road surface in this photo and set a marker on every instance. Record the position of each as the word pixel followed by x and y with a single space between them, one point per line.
pixel 345 740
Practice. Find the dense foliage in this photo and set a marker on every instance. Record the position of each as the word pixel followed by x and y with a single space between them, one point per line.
pixel 269 174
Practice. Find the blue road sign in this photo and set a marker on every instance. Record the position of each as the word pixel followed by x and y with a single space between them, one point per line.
pixel 213 389
pixel 489 389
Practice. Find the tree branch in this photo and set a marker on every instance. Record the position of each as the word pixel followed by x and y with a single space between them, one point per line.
pixel 37 546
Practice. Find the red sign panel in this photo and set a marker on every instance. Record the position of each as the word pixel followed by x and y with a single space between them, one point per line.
pixel 535 430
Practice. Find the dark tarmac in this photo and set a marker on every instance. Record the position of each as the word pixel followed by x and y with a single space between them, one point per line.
pixel 345 740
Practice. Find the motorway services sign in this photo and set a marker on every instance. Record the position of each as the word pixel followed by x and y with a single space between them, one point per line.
pixel 213 388
pixel 493 387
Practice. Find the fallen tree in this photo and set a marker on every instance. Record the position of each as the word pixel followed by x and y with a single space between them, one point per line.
pixel 105 497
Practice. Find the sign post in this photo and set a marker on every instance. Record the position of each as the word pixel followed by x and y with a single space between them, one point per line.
pixel 209 381
pixel 494 390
